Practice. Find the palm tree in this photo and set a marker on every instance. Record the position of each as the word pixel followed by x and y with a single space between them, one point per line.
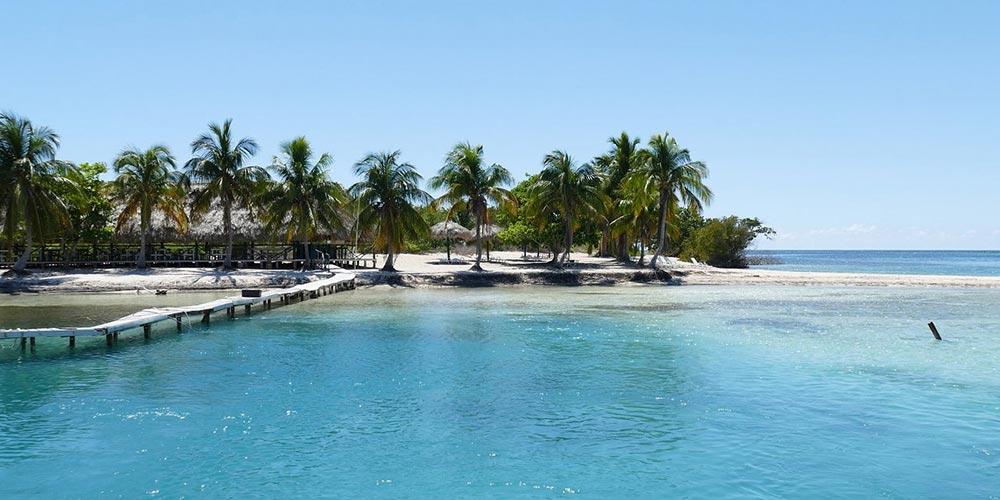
pixel 147 181
pixel 32 182
pixel 387 195
pixel 568 190
pixel 220 171
pixel 637 206
pixel 623 157
pixel 304 200
pixel 676 178
pixel 469 185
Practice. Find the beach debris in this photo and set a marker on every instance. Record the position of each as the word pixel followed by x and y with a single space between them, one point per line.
pixel 934 330
pixel 161 291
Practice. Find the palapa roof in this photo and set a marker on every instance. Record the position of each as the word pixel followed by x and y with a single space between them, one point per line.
pixel 446 229
pixel 209 227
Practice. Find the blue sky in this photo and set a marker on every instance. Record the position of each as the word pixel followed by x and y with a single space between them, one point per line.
pixel 841 124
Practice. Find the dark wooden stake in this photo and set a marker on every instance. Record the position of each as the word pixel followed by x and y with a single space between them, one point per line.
pixel 145 330
pixel 937 336
pixel 72 341
pixel 206 316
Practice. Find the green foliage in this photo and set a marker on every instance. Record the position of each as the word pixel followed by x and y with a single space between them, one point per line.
pixel 562 189
pixel 388 194
pixel 219 168
pixel 303 201
pixel 89 206
pixel 472 186
pixel 34 185
pixel 723 242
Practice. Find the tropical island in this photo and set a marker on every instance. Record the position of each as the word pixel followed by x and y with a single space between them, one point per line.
pixel 630 214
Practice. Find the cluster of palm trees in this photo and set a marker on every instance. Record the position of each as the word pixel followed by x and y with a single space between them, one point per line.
pixel 631 193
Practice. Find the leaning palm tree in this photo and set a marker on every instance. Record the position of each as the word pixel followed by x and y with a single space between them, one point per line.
pixel 303 201
pixel 676 178
pixel 387 195
pixel 221 174
pixel 637 205
pixel 32 182
pixel 567 190
pixel 148 181
pixel 471 185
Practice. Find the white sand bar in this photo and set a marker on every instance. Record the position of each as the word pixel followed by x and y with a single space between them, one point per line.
pixel 147 317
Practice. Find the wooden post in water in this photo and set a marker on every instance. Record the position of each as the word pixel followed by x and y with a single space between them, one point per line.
pixel 246 309
pixel 145 330
pixel 109 339
pixel 72 341
pixel 24 343
pixel 206 316
pixel 178 319
pixel 934 330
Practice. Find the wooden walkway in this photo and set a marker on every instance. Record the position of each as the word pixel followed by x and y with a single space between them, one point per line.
pixel 146 318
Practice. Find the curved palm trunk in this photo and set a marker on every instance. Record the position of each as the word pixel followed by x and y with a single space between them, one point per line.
pixel 661 230
pixel 227 222
pixel 568 238
pixel 22 261
pixel 642 248
pixel 448 245
pixel 390 252
pixel 479 242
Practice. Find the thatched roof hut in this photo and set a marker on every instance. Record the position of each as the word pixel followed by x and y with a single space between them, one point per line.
pixel 208 227
pixel 449 229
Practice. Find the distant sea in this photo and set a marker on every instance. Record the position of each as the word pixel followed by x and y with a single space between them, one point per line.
pixel 941 262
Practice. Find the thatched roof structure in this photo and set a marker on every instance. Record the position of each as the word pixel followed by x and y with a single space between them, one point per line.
pixel 208 227
pixel 449 229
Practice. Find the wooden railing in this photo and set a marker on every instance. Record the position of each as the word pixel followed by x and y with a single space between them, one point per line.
pixel 197 254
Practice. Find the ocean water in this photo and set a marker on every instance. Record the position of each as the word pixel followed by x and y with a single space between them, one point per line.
pixel 626 392
pixel 940 262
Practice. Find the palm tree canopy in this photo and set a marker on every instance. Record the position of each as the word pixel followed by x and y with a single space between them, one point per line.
pixel 220 171
pixel 671 170
pixel 148 181
pixel 303 202
pixel 32 180
pixel 564 188
pixel 387 194
pixel 469 184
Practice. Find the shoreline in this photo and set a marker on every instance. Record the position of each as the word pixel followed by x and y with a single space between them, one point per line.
pixel 434 271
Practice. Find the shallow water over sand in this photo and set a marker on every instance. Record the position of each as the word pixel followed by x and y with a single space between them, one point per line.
pixel 640 391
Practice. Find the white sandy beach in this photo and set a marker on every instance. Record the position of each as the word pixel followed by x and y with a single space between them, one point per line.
pixel 505 268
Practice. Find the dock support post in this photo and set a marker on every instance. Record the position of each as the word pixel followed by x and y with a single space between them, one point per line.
pixel 206 316
pixel 24 342
pixel 109 339
pixel 116 336
pixel 72 341
pixel 145 330
pixel 246 309
pixel 267 304
pixel 934 331
pixel 178 319
pixel 32 342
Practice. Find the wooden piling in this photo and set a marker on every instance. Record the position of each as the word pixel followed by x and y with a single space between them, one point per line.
pixel 178 319
pixel 246 309
pixel 72 341
pixel 109 339
pixel 145 330
pixel 934 330
pixel 206 316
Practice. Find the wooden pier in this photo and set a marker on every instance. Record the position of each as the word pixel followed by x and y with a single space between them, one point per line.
pixel 146 318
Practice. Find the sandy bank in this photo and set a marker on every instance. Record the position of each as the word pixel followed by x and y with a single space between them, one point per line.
pixel 433 270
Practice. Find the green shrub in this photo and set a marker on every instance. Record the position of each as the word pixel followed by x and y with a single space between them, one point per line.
pixel 723 242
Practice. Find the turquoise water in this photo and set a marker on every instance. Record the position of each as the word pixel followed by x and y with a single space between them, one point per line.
pixel 629 392
pixel 940 262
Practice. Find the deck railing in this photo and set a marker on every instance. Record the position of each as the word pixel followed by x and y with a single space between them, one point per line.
pixel 196 254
